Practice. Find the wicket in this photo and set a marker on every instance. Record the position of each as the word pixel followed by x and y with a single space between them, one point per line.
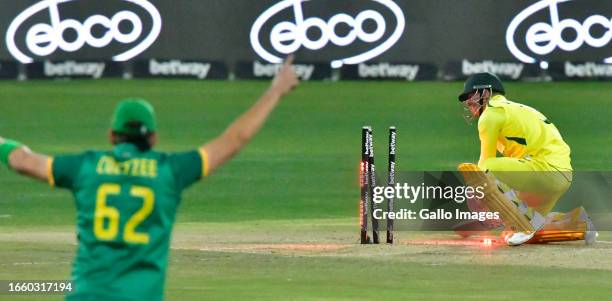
pixel 372 174
pixel 367 181
pixel 363 182
pixel 391 180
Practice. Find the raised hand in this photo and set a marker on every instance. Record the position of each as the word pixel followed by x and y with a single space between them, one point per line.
pixel 286 79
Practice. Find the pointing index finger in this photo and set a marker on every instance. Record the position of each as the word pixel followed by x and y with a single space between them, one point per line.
pixel 289 60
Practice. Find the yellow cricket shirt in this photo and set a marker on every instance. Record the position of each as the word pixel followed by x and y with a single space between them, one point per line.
pixel 519 131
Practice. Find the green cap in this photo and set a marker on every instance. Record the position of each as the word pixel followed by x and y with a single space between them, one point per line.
pixel 134 116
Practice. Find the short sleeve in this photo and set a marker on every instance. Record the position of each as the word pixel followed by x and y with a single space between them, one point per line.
pixel 64 170
pixel 188 167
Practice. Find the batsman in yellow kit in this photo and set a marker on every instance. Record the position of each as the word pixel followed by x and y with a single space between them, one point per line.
pixel 534 168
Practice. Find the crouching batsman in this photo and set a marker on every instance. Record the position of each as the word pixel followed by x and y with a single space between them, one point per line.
pixel 532 173
pixel 127 197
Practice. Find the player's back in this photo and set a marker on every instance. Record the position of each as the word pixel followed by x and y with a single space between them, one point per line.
pixel 527 132
pixel 126 204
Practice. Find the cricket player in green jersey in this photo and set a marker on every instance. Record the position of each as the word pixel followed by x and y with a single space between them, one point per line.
pixel 126 198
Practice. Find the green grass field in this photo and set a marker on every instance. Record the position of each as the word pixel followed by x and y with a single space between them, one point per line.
pixel 279 222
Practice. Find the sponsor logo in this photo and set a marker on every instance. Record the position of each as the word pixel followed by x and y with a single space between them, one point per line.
pixel 303 71
pixel 179 68
pixel 511 70
pixel 287 37
pixel 588 70
pixel 72 68
pixel 386 70
pixel 543 38
pixel 43 39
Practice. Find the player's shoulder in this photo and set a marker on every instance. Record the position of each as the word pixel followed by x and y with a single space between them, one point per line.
pixel 166 155
pixel 181 155
pixel 187 166
pixel 79 156
pixel 178 159
pixel 492 115
pixel 499 101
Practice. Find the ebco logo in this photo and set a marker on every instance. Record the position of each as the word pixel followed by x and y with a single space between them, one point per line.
pixel 43 39
pixel 287 37
pixel 542 38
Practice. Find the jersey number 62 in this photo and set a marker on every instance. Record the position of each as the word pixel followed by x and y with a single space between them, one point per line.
pixel 104 212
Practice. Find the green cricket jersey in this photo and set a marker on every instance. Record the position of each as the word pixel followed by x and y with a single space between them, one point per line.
pixel 126 202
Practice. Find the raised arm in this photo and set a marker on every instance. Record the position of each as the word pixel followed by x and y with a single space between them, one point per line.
pixel 23 160
pixel 240 132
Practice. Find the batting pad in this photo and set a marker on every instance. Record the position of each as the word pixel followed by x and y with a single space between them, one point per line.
pixel 494 199
pixel 542 237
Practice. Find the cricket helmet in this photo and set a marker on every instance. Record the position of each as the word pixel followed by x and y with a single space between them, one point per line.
pixel 478 81
pixel 133 111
